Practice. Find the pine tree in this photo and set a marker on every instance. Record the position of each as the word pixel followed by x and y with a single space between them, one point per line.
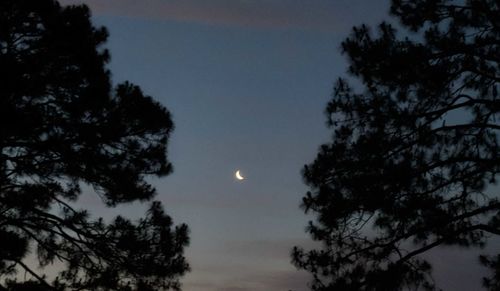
pixel 414 157
pixel 62 126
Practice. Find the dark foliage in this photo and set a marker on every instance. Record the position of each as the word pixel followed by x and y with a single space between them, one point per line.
pixel 63 126
pixel 415 154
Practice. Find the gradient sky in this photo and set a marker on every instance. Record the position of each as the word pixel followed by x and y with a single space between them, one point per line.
pixel 247 82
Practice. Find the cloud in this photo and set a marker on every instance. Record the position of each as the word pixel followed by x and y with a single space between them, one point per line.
pixel 268 249
pixel 255 265
pixel 317 14
pixel 254 281
pixel 286 280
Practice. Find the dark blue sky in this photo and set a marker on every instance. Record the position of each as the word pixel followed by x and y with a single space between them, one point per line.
pixel 242 98
pixel 247 82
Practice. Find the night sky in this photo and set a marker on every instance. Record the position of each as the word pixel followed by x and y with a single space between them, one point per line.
pixel 247 82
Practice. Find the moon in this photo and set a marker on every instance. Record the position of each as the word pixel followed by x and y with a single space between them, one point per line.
pixel 238 175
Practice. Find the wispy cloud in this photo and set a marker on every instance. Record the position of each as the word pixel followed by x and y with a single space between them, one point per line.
pixel 316 14
pixel 254 265
pixel 285 280
pixel 268 249
pixel 253 281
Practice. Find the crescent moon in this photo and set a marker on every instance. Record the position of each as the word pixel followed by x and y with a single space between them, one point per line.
pixel 238 175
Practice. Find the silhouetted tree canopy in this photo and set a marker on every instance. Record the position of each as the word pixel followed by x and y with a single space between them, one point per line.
pixel 62 126
pixel 414 157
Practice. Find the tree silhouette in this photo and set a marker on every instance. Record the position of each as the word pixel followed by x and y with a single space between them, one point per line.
pixel 63 126
pixel 415 150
